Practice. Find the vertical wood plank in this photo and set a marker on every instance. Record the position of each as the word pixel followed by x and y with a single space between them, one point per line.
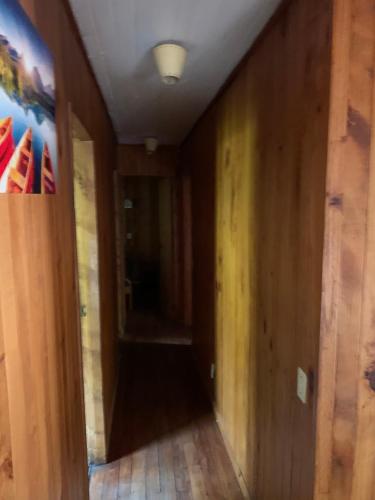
pixel 38 296
pixel 345 432
pixel 263 144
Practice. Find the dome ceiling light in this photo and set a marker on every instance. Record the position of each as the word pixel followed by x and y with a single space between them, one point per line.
pixel 151 144
pixel 170 60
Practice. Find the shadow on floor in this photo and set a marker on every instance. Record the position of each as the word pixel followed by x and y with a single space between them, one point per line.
pixel 149 326
pixel 165 442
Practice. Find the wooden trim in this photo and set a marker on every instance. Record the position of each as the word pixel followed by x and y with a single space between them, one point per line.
pixel 237 470
pixel 72 122
pixel 109 423
pixel 91 339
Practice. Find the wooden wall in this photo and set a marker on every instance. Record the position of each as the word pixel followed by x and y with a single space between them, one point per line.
pixel 175 246
pixel 152 247
pixel 183 220
pixel 119 188
pixel 43 450
pixel 133 160
pixel 142 221
pixel 345 461
pixel 263 146
pixel 198 157
pixel 167 250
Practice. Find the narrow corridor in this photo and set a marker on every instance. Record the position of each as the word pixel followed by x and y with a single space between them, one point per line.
pixel 165 441
pixel 151 327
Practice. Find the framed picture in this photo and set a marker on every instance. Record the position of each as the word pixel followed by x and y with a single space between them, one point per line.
pixel 28 142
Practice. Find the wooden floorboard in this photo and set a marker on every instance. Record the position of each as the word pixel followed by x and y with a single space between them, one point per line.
pixel 165 442
pixel 152 327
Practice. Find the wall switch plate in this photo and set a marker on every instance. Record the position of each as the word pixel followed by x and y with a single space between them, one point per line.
pixel 212 372
pixel 302 385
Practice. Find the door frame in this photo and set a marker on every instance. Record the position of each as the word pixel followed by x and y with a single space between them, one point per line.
pixel 96 454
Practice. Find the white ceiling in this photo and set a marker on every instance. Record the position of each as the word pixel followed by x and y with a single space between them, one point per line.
pixel 119 36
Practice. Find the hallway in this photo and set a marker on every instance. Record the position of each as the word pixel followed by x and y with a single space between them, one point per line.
pixel 151 327
pixel 165 442
pixel 187 249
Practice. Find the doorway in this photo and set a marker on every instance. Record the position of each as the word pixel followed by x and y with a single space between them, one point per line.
pixel 88 286
pixel 151 254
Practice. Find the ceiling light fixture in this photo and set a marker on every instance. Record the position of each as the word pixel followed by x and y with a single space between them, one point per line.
pixel 170 59
pixel 151 144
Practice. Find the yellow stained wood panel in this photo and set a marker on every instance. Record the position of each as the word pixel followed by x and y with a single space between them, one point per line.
pixel 263 143
pixel 87 257
pixel 235 323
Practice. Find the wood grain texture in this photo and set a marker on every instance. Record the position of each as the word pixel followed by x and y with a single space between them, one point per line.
pixel 183 240
pixel 6 463
pixel 167 248
pixel 142 221
pixel 151 252
pixel 198 158
pixel 132 164
pixel 235 269
pixel 178 454
pixel 38 296
pixel 119 193
pixel 133 160
pixel 87 259
pixel 264 142
pixel 346 417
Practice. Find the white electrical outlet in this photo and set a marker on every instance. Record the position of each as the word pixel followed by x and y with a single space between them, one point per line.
pixel 302 385
pixel 212 373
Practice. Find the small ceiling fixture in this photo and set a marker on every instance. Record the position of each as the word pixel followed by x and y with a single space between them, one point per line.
pixel 170 59
pixel 151 144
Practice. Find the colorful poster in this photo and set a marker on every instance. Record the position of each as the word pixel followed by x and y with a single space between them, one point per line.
pixel 28 143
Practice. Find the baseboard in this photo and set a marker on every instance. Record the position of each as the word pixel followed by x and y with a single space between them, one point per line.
pixel 240 477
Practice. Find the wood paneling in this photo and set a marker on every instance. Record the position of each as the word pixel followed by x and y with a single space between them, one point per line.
pixel 119 188
pixel 133 160
pixel 6 468
pixel 174 250
pixel 198 157
pixel 87 258
pixel 38 295
pixel 264 142
pixel 159 225
pixel 166 239
pixel 184 248
pixel 345 459
pixel 142 221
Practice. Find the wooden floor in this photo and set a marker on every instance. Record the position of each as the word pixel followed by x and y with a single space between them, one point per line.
pixel 165 442
pixel 150 326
